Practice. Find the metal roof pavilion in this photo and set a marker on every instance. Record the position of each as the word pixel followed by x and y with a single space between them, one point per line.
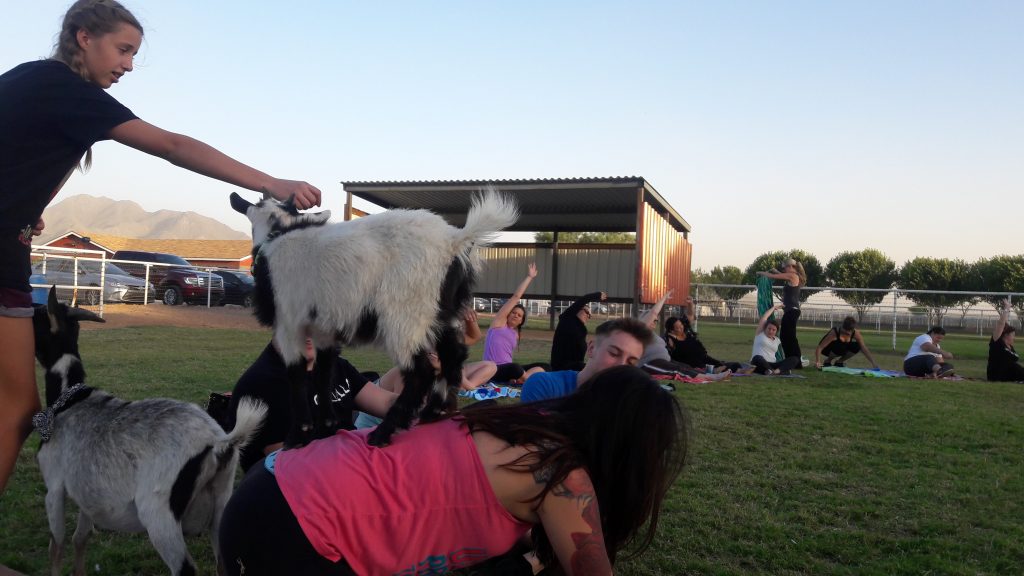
pixel 604 204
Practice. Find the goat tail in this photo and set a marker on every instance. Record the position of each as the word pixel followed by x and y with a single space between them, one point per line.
pixel 248 420
pixel 490 213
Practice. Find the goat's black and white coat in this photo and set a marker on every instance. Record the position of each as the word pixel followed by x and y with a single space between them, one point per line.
pixel 397 279
pixel 158 466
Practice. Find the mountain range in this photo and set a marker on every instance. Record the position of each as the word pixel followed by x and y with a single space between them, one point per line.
pixel 84 213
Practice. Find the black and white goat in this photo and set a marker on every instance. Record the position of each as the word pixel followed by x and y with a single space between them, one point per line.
pixel 160 466
pixel 397 279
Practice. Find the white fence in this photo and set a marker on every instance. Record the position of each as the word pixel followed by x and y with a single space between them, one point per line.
pixel 967 311
pixel 77 285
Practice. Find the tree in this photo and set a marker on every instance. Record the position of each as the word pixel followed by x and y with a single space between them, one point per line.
pixel 725 275
pixel 586 237
pixel 1002 274
pixel 868 268
pixel 941 274
pixel 770 260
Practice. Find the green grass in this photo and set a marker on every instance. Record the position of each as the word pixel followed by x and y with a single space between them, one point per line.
pixel 828 474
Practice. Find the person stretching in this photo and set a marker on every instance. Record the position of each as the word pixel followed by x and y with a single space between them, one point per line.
pixel 1003 361
pixel 766 345
pixel 840 344
pixel 926 358
pixel 569 344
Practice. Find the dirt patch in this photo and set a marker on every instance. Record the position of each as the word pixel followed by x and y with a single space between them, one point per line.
pixel 125 315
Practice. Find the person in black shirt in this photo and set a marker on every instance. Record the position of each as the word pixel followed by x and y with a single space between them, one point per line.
pixel 1003 361
pixel 796 278
pixel 569 344
pixel 685 348
pixel 267 380
pixel 51 113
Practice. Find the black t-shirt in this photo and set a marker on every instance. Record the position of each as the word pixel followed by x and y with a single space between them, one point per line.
pixel 49 117
pixel 267 380
pixel 689 351
pixel 1001 359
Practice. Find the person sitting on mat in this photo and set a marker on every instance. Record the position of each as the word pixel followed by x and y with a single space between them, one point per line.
pixel 926 357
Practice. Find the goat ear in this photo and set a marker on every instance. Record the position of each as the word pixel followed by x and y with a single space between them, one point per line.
pixel 317 218
pixel 241 205
pixel 52 310
pixel 289 205
pixel 83 314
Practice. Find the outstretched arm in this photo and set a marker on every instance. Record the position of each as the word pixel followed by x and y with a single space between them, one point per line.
pixel 502 316
pixel 764 317
pixel 472 323
pixel 790 277
pixel 204 159
pixel 571 519
pixel 576 306
pixel 688 305
pixel 1004 317
pixel 828 339
pixel 864 349
pixel 651 315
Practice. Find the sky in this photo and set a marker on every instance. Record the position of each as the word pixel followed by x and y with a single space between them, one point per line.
pixel 824 126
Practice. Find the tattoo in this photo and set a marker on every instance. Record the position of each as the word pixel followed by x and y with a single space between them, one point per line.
pixel 590 556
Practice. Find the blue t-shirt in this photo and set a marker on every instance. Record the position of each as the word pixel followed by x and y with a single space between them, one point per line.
pixel 548 385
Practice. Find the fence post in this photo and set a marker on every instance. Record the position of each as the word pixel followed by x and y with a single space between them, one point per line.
pixel 895 295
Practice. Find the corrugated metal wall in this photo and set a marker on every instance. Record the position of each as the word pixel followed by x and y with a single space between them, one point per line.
pixel 581 270
pixel 666 259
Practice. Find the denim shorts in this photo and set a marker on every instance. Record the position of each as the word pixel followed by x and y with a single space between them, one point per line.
pixel 15 303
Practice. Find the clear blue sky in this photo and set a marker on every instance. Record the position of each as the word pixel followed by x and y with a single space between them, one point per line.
pixel 826 126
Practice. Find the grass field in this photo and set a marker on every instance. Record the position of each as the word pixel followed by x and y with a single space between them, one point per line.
pixel 826 474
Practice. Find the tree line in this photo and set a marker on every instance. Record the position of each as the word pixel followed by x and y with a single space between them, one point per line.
pixel 871 268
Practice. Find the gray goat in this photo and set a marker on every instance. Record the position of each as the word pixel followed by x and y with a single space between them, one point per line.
pixel 158 466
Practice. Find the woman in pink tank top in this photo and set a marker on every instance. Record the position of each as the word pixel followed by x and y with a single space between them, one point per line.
pixel 454 493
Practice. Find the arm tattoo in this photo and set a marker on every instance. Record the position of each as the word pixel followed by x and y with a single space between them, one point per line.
pixel 590 556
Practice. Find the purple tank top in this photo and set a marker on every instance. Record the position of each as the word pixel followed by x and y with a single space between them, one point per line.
pixel 500 344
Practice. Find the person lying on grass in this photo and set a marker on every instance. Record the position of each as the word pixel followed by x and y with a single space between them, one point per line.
pixel 453 493
pixel 840 344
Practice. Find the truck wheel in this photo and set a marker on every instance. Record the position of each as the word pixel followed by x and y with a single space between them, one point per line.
pixel 172 296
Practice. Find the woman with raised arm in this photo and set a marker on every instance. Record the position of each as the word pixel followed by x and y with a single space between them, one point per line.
pixel 766 345
pixel 51 113
pixel 1003 361
pixel 453 493
pixel 796 278
pixel 504 334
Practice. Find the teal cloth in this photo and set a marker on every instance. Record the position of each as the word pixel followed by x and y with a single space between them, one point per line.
pixel 766 300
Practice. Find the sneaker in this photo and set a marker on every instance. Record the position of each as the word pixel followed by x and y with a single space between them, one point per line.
pixel 804 361
pixel 945 371
pixel 785 372
pixel 840 365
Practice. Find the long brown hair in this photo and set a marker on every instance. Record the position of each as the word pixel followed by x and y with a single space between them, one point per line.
pixel 628 433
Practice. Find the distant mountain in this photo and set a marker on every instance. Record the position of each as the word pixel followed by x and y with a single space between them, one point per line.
pixel 99 215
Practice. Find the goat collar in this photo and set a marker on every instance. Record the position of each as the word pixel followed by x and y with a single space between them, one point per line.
pixel 43 421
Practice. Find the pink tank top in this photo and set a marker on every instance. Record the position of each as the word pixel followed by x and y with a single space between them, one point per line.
pixel 420 506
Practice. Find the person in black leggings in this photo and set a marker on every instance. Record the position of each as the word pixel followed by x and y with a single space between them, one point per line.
pixel 796 278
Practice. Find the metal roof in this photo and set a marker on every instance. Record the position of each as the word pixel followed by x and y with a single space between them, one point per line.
pixel 604 204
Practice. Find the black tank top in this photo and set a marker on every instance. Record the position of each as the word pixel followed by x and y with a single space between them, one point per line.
pixel 791 296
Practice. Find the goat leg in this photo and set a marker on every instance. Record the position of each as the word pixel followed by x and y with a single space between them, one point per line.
pixel 81 536
pixel 55 517
pixel 301 428
pixel 451 354
pixel 417 381
pixel 326 422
